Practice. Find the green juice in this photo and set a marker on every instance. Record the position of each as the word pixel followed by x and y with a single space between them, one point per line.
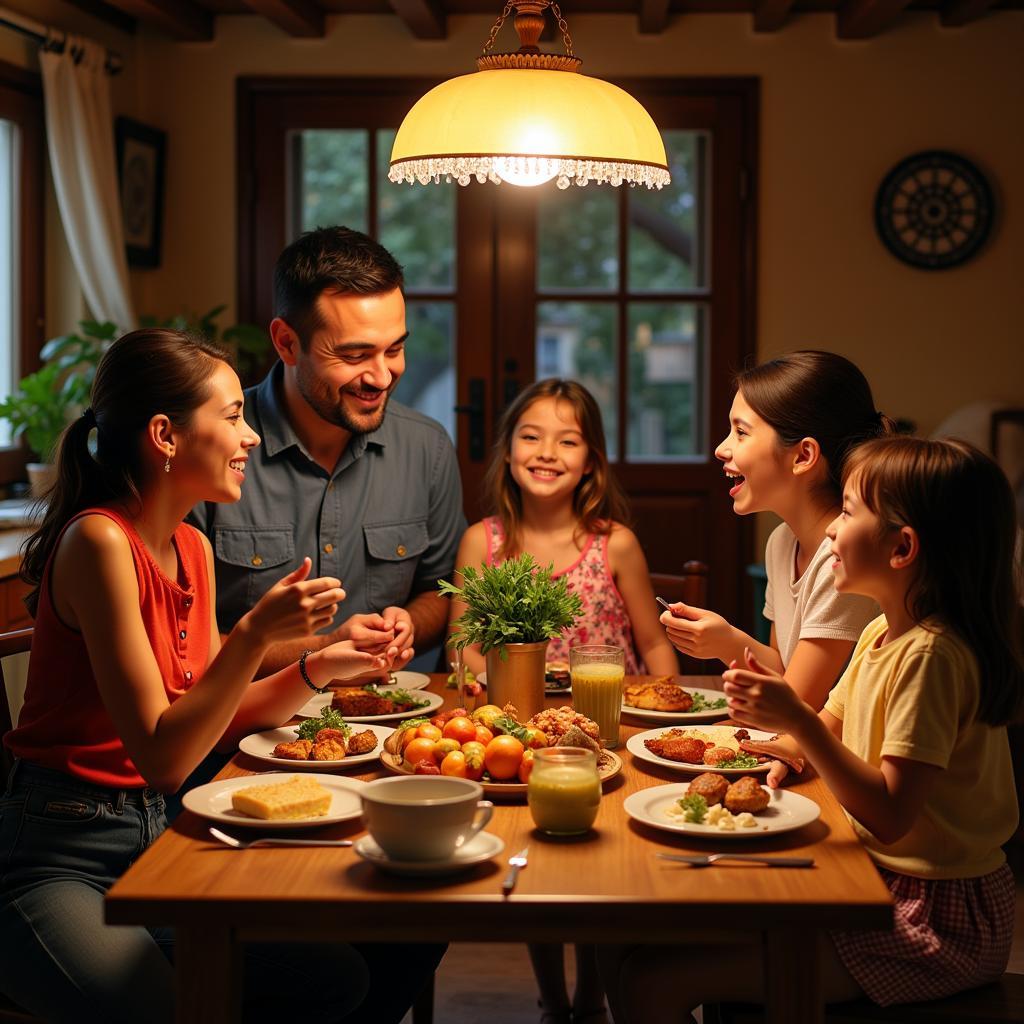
pixel 564 800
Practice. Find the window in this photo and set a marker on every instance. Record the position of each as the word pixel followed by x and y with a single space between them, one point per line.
pixel 21 242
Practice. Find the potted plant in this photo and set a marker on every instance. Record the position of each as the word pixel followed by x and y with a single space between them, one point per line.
pixel 512 611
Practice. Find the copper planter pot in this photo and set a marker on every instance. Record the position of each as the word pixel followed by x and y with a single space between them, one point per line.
pixel 518 678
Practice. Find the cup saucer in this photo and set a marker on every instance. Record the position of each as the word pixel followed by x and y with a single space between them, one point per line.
pixel 483 846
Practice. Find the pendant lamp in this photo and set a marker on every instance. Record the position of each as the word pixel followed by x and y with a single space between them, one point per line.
pixel 527 117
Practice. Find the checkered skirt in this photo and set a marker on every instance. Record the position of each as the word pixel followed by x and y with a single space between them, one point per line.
pixel 948 935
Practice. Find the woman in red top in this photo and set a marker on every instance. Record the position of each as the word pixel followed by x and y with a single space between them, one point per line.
pixel 130 686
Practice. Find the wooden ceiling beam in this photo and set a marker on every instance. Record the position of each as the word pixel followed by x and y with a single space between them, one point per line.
pixel 425 19
pixel 862 19
pixel 106 12
pixel 771 15
pixel 653 18
pixel 962 12
pixel 181 19
pixel 303 19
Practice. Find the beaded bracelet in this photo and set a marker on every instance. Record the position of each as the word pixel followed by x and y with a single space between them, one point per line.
pixel 305 675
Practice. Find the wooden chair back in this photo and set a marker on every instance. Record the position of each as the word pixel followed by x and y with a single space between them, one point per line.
pixel 689 588
pixel 18 641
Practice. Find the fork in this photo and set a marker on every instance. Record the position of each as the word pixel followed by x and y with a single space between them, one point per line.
pixel 703 860
pixel 245 844
pixel 514 864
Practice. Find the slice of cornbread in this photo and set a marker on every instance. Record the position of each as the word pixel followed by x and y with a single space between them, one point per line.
pixel 297 798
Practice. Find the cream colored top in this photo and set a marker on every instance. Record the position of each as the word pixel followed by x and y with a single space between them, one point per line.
pixel 809 607
pixel 917 698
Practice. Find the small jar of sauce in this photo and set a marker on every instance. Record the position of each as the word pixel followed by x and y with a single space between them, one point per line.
pixel 564 790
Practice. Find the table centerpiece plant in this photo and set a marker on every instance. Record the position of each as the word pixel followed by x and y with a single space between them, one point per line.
pixel 512 610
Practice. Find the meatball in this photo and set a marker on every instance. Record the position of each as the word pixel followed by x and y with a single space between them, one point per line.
pixel 746 794
pixel 718 755
pixel 328 750
pixel 297 750
pixel 362 742
pixel 710 786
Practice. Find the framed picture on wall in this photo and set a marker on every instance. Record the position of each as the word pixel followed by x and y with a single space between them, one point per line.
pixel 141 152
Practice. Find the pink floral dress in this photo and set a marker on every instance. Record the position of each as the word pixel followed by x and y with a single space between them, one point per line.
pixel 604 619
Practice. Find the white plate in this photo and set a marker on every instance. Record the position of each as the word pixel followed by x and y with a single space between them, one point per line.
pixel 482 680
pixel 213 801
pixel 681 717
pixel 483 846
pixel 785 812
pixel 322 700
pixel 635 745
pixel 408 681
pixel 261 746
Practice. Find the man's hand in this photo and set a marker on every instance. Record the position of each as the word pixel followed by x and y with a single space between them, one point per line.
pixel 400 622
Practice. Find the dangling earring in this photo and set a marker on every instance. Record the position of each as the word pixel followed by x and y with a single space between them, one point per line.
pixel 167 464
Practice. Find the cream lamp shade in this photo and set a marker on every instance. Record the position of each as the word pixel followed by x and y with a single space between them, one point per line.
pixel 528 117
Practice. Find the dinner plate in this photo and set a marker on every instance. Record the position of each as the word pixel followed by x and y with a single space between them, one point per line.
pixel 313 708
pixel 483 846
pixel 407 681
pixel 482 680
pixel 681 717
pixel 635 745
pixel 786 811
pixel 213 801
pixel 609 764
pixel 261 746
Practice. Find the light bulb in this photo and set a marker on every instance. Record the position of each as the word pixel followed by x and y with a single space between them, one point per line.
pixel 526 171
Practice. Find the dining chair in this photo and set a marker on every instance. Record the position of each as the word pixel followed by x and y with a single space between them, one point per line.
pixel 689 588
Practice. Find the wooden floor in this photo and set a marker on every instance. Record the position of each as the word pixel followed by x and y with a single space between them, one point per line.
pixel 493 982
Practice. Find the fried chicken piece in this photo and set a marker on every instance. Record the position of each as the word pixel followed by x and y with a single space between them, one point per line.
pixel 330 734
pixel 710 786
pixel 687 749
pixel 659 695
pixel 718 755
pixel 327 750
pixel 297 750
pixel 355 701
pixel 362 742
pixel 746 794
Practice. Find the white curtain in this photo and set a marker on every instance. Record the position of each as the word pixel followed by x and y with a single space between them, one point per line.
pixel 80 136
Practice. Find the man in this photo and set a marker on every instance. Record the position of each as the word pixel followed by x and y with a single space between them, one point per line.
pixel 367 487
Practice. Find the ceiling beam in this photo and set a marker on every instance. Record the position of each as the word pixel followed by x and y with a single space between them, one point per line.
pixel 771 15
pixel 653 19
pixel 106 12
pixel 961 12
pixel 425 19
pixel 303 19
pixel 181 19
pixel 862 19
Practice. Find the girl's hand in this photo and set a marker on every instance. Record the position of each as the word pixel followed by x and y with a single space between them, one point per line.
pixel 342 661
pixel 697 631
pixel 295 607
pixel 777 772
pixel 761 698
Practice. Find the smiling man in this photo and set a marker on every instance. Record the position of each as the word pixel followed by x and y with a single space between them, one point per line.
pixel 365 486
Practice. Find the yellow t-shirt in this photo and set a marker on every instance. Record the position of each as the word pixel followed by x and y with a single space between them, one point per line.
pixel 917 698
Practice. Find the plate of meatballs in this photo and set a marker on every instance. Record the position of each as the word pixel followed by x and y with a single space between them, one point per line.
pixel 743 809
pixel 331 748
pixel 702 747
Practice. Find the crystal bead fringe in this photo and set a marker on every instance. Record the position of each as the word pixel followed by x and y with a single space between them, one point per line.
pixel 579 172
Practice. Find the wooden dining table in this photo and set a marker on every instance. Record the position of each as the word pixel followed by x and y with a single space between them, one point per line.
pixel 605 886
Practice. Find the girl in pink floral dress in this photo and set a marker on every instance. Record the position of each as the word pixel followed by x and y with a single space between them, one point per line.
pixel 554 497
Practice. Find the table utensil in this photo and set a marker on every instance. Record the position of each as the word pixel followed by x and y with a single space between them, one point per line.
pixel 703 860
pixel 515 864
pixel 664 604
pixel 244 844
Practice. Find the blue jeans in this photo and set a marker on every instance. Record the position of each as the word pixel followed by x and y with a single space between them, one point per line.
pixel 63 843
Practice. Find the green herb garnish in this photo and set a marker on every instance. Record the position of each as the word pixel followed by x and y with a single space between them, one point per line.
pixel 694 807
pixel 701 703
pixel 398 696
pixel 516 602
pixel 739 761
pixel 329 719
pixel 510 727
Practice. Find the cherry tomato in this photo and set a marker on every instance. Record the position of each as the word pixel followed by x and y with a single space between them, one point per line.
pixel 502 757
pixel 535 738
pixel 525 766
pixel 461 729
pixel 419 749
pixel 429 732
pixel 444 747
pixel 474 755
pixel 454 764
pixel 426 768
pixel 484 735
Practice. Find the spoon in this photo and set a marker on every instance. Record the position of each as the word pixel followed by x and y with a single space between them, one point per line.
pixel 244 844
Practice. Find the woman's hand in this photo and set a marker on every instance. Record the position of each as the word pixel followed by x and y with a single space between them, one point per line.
pixel 294 607
pixel 759 697
pixel 342 661
pixel 698 632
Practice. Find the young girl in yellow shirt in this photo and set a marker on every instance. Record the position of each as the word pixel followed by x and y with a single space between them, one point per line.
pixel 912 740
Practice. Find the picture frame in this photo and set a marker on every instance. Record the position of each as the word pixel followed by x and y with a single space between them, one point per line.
pixel 141 155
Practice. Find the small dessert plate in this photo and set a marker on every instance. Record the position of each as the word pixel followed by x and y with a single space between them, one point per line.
pixel 483 846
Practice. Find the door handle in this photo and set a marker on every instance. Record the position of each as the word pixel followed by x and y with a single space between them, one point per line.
pixel 476 411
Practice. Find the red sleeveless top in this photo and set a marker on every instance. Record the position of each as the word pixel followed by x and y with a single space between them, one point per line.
pixel 64 724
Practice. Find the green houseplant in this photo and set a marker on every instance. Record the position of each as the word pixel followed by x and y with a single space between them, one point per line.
pixel 512 611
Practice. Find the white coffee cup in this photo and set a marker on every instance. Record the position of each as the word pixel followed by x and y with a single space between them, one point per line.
pixel 424 817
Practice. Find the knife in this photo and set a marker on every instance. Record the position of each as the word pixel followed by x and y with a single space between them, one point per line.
pixel 514 865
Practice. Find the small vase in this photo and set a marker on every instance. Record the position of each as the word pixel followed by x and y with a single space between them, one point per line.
pixel 41 477
pixel 518 678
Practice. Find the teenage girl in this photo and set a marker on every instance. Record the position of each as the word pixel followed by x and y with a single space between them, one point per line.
pixel 793 422
pixel 129 687
pixel 555 497
pixel 912 740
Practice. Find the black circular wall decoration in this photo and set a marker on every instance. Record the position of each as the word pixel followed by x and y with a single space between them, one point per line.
pixel 934 210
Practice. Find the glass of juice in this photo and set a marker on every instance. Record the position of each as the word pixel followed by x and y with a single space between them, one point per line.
pixel 564 791
pixel 598 672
